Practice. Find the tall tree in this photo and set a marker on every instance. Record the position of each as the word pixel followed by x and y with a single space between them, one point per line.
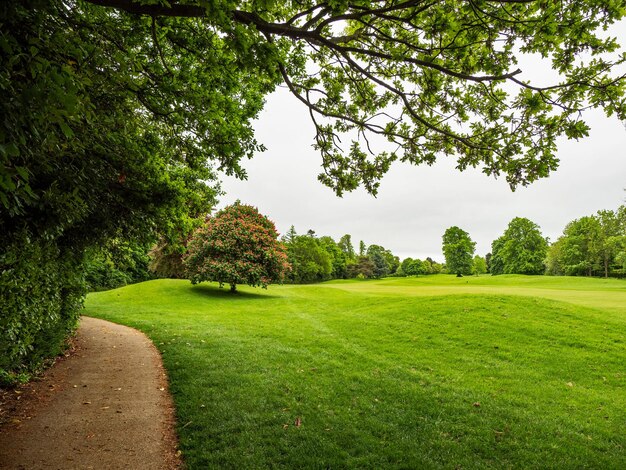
pixel 362 248
pixel 345 244
pixel 338 258
pixel 310 261
pixel 458 249
pixel 520 250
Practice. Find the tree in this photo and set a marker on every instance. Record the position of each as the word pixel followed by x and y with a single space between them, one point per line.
pixel 309 260
pixel 364 267
pixel 590 245
pixel 479 265
pixel 415 268
pixel 236 246
pixel 432 266
pixel 338 258
pixel 381 266
pixel 458 249
pixel 521 249
pixel 404 266
pixel 611 237
pixel 82 165
pixel 345 244
pixel 114 111
pixel 578 247
pixel 438 78
pixel 390 264
pixel 362 248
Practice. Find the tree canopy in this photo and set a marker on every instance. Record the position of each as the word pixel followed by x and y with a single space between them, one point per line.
pixel 591 245
pixel 236 246
pixel 520 250
pixel 458 249
pixel 383 80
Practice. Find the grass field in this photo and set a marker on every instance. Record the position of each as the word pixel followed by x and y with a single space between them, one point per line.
pixel 429 372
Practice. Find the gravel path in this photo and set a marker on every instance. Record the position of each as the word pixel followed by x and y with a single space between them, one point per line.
pixel 106 406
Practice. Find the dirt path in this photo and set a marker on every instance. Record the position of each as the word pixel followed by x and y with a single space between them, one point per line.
pixel 104 407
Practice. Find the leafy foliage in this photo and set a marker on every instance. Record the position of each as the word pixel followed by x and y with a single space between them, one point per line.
pixel 458 249
pixel 591 246
pixel 309 261
pixel 236 246
pixel 82 162
pixel 117 264
pixel 520 250
pixel 479 265
pixel 41 293
pixel 394 80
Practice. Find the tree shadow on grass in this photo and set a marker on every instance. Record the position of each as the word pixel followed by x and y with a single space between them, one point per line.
pixel 212 290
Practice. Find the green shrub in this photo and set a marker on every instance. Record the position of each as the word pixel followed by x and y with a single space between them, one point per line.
pixel 41 294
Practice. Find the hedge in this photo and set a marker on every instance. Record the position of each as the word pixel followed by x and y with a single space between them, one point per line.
pixel 41 295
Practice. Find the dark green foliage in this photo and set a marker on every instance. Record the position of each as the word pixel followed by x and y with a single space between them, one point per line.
pixel 458 248
pixel 118 264
pixel 520 250
pixel 310 260
pixel 82 162
pixel 591 246
pixel 41 293
pixel 166 261
pixel 339 259
pixel 363 268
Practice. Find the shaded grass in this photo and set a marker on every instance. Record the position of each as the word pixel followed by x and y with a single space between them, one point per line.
pixel 390 373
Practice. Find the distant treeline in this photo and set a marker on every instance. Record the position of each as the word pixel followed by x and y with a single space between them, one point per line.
pixel 316 259
pixel 594 245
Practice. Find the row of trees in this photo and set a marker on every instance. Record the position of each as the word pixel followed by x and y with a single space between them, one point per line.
pixel 315 259
pixel 590 246
pixel 593 245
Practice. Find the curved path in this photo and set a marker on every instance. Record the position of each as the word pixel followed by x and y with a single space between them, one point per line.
pixel 104 407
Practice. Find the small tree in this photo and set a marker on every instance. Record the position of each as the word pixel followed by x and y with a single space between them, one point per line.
pixel 236 246
pixel 479 265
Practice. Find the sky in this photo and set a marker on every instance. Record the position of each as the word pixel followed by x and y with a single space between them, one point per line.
pixel 416 204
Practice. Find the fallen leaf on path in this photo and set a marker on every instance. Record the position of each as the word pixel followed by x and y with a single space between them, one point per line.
pixel 86 403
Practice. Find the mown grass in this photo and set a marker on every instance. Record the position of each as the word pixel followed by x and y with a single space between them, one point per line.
pixel 435 372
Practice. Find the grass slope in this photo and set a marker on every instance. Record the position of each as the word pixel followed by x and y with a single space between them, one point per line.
pixel 504 372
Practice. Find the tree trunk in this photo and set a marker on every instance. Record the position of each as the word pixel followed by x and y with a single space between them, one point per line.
pixel 606 266
pixel 233 288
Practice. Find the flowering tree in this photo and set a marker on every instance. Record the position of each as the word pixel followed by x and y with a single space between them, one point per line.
pixel 236 246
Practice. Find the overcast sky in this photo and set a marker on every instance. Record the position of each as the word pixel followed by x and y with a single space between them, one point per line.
pixel 416 204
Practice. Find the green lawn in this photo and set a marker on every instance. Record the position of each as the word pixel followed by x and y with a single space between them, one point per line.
pixel 434 372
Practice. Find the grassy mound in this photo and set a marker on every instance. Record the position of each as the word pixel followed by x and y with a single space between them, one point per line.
pixel 409 373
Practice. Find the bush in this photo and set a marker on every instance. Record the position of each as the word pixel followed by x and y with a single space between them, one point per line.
pixel 41 293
